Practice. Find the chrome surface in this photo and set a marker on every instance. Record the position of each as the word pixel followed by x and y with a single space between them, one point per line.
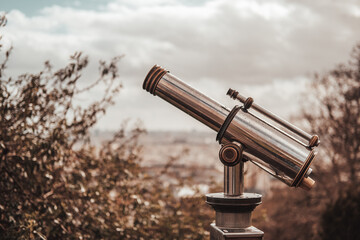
pixel 269 169
pixel 191 101
pixel 283 154
pixel 283 157
pixel 234 94
pixel 234 179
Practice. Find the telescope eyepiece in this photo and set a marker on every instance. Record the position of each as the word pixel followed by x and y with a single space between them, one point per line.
pixel 232 93
pixel 153 78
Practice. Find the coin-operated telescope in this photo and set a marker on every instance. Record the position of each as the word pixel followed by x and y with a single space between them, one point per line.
pixel 246 133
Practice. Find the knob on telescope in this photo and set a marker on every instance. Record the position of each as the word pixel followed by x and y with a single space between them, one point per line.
pixel 231 154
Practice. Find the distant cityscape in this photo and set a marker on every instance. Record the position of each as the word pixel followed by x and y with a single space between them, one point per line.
pixel 190 155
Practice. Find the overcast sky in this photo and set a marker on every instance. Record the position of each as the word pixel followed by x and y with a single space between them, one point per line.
pixel 264 49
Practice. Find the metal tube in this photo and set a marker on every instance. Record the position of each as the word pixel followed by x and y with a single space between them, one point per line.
pixel 312 140
pixel 234 179
pixel 191 101
pixel 267 144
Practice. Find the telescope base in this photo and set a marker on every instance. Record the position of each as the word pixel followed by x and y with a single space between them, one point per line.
pixel 233 216
pixel 250 233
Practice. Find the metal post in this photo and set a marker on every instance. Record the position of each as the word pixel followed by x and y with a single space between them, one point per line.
pixel 234 179
pixel 233 207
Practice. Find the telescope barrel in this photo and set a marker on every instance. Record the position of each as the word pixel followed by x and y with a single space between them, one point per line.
pixel 282 157
pixel 163 84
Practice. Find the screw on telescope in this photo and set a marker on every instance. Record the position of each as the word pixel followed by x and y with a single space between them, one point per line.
pixel 231 154
pixel 314 141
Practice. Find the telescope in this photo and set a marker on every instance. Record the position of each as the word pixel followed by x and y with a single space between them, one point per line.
pixel 247 132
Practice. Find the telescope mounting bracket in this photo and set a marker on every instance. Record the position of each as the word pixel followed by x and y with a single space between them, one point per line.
pixel 233 207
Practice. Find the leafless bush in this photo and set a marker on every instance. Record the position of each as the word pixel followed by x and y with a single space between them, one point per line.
pixel 55 184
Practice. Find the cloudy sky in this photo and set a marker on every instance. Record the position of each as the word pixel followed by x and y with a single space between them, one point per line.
pixel 265 49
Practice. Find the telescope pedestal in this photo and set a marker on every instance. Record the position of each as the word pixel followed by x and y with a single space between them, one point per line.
pixel 250 233
pixel 233 216
pixel 233 207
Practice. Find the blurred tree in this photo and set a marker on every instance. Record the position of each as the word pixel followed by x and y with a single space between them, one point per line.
pixel 341 219
pixel 335 116
pixel 337 120
pixel 55 184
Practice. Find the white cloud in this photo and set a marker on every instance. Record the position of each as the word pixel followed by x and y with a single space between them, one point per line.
pixel 213 45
